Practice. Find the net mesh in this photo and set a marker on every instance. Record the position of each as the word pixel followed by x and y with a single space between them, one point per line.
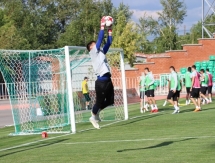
pixel 37 86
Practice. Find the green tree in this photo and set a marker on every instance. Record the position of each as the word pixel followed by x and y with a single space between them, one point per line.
pixel 165 28
pixel 126 37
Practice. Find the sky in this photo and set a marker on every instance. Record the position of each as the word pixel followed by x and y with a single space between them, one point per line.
pixel 151 7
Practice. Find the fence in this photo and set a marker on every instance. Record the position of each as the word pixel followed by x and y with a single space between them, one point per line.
pixel 131 84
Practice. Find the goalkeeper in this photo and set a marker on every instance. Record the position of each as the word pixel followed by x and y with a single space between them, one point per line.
pixel 103 85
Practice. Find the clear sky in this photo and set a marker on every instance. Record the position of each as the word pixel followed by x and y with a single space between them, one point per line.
pixel 151 7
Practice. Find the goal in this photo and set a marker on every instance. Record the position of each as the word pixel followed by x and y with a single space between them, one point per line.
pixel 44 87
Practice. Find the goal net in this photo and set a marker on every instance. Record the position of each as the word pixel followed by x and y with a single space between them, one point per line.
pixel 45 91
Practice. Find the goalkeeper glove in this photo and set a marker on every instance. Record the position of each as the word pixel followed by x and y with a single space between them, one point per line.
pixel 110 30
pixel 103 21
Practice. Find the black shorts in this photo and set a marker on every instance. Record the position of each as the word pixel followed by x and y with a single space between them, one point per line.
pixel 104 93
pixel 210 89
pixel 150 93
pixel 178 93
pixel 188 89
pixel 203 90
pixel 172 95
pixel 87 97
pixel 142 94
pixel 195 93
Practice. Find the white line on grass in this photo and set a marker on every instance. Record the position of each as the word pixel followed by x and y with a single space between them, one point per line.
pixel 137 140
pixel 26 144
pixel 22 145
pixel 30 143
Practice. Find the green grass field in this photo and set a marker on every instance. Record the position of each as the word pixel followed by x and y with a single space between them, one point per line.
pixel 187 137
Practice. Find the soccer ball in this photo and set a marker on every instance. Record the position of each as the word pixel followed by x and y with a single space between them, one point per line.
pixel 109 21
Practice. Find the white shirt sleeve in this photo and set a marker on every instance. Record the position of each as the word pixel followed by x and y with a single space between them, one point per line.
pixel 193 74
pixel 152 79
pixel 176 81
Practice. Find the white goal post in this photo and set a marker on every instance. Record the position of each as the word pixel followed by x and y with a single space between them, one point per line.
pixel 44 88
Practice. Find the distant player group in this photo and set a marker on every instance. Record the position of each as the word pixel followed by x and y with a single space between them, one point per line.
pixel 197 85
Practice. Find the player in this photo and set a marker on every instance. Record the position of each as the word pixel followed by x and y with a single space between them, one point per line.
pixel 103 85
pixel 144 108
pixel 173 84
pixel 188 82
pixel 210 84
pixel 204 86
pixel 85 92
pixel 195 89
pixel 149 84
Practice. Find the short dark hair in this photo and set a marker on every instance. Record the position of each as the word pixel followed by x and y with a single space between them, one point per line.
pixel 172 67
pixel 207 69
pixel 202 70
pixel 147 69
pixel 89 44
pixel 194 66
pixel 189 69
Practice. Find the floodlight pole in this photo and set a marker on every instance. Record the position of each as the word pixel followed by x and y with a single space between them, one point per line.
pixel 205 13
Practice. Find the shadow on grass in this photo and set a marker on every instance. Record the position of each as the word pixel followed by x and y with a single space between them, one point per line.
pixel 29 147
pixel 155 146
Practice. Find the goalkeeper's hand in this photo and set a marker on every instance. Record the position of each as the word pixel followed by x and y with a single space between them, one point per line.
pixel 103 22
pixel 110 30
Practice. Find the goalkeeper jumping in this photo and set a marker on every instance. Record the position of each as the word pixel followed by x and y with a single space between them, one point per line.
pixel 103 85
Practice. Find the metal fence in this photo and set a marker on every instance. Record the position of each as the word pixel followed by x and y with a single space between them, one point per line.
pixel 131 83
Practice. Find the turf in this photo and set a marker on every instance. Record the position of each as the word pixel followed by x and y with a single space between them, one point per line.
pixel 187 137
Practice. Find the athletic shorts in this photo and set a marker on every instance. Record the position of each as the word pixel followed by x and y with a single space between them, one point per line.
pixel 203 90
pixel 172 95
pixel 195 93
pixel 87 97
pixel 104 93
pixel 142 94
pixel 178 93
pixel 210 89
pixel 150 93
pixel 188 89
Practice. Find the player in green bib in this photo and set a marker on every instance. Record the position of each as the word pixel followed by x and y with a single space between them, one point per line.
pixel 149 84
pixel 188 84
pixel 204 86
pixel 173 87
pixel 143 108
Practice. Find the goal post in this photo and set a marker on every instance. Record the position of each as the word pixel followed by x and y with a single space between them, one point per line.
pixel 44 88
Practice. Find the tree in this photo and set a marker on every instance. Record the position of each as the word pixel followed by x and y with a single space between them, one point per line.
pixel 126 37
pixel 164 29
pixel 85 26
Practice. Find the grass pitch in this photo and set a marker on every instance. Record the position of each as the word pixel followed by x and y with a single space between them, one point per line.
pixel 187 137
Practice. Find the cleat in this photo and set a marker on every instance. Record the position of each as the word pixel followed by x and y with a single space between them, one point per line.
pixel 141 110
pixel 94 122
pixel 197 110
pixel 152 111
pixel 155 111
pixel 176 111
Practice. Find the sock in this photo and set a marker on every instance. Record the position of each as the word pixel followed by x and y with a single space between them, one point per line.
pixel 156 106
pixel 206 99
pixel 165 102
pixel 176 107
pixel 210 99
pixel 152 107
